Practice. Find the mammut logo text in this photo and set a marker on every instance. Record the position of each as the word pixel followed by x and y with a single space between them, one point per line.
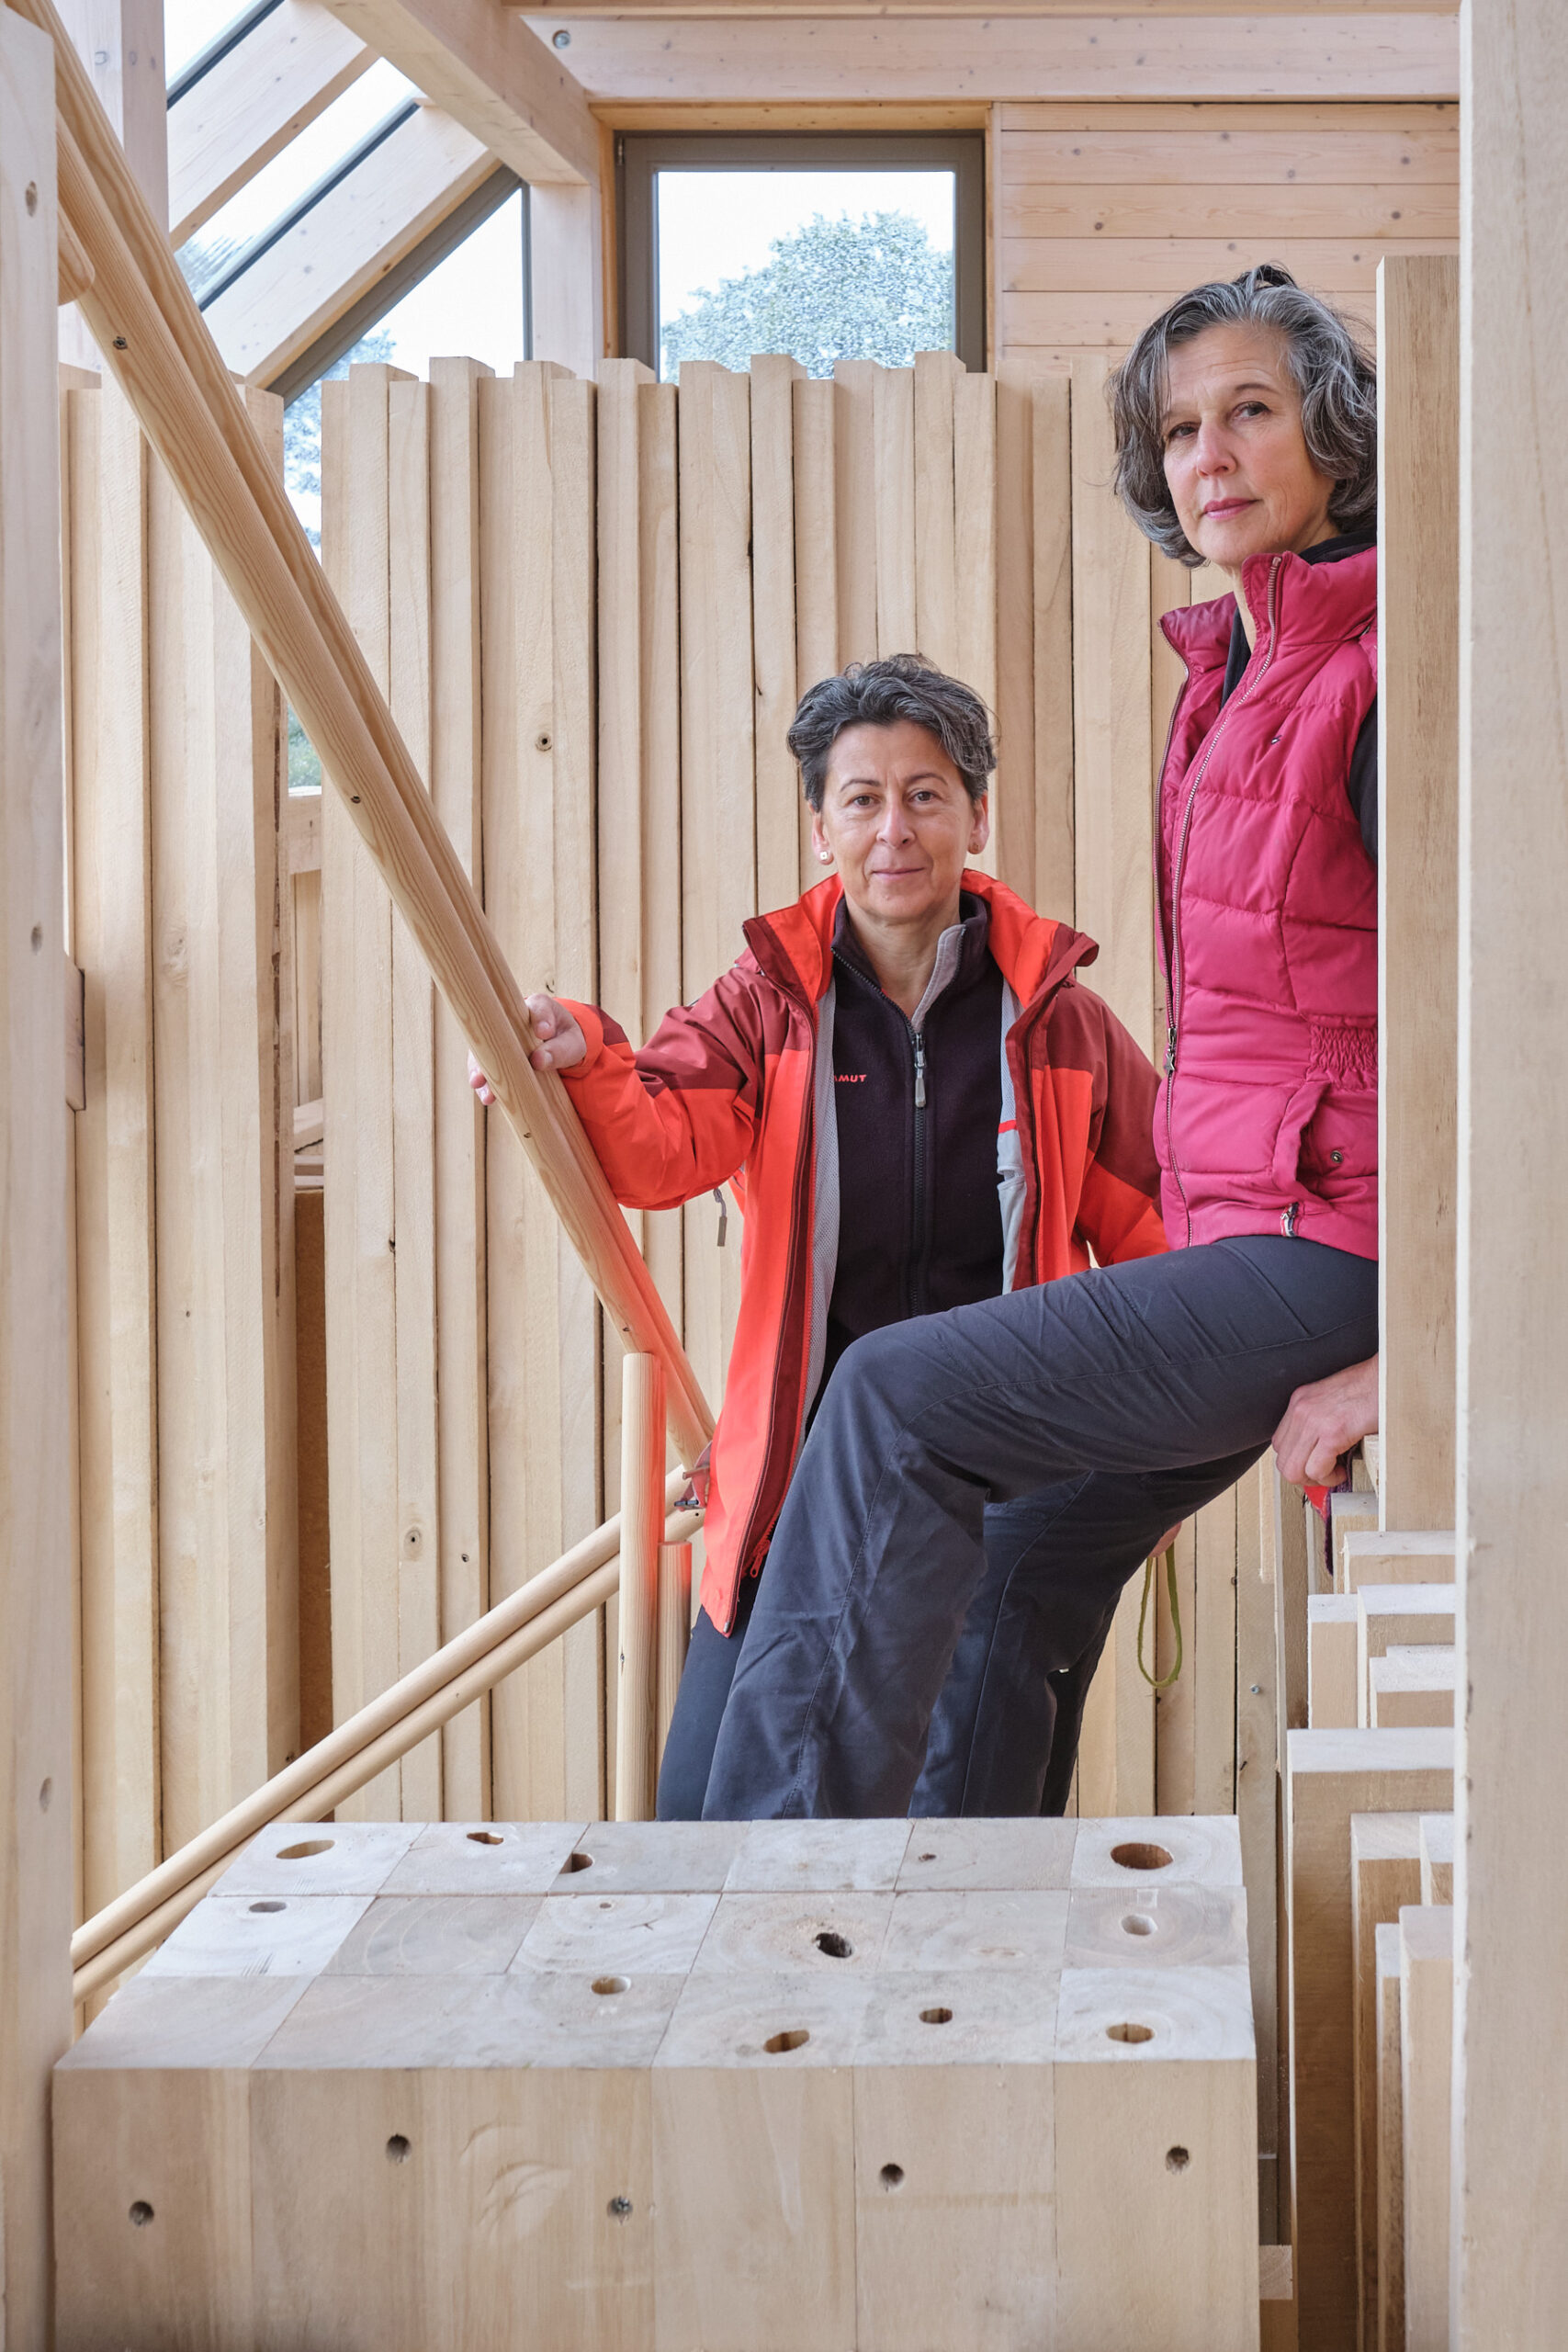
pixel 849 1078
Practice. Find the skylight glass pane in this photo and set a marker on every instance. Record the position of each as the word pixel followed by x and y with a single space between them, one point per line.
pixel 827 265
pixel 191 26
pixel 307 159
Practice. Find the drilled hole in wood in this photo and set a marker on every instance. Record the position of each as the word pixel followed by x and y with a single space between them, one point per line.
pixel 306 1847
pixel 1177 2159
pixel 484 1838
pixel 1138 1922
pixel 1138 1857
pixel 796 2038
pixel 925 1857
pixel 892 2175
pixel 398 2149
pixel 832 1944
pixel 936 2016
pixel 619 2208
pixel 577 1862
pixel 612 1983
pixel 1129 2033
pixel 269 1906
pixel 140 2214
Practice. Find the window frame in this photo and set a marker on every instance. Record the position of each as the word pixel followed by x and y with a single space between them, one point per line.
pixel 642 154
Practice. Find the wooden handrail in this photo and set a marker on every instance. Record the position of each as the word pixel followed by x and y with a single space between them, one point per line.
pixel 154 340
pixel 307 1789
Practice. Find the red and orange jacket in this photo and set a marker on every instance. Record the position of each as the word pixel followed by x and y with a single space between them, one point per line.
pixel 738 1089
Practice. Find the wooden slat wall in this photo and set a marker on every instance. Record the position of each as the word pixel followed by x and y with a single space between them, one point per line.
pixel 1102 213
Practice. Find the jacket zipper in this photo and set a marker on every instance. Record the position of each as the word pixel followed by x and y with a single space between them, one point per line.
pixel 917 1202
pixel 1173 1008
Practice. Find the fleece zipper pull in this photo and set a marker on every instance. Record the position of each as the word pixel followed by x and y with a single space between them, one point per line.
pixel 723 1213
pixel 919 1071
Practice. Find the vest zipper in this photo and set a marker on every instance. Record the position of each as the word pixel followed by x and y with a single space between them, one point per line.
pixel 1173 1011
pixel 917 1234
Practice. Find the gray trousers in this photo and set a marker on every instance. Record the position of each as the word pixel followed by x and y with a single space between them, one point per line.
pixel 1144 1390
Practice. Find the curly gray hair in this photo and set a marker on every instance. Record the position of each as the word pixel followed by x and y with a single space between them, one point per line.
pixel 1329 365
pixel 879 693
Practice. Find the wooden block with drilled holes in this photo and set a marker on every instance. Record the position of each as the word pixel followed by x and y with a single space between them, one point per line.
pixel 514 2083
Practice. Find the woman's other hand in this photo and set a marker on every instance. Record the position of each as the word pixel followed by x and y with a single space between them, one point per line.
pixel 1322 1421
pixel 561 1043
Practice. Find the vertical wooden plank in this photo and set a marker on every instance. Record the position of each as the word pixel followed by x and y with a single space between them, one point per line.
pixel 463 1462
pixel 717 802
pixel 224 1093
pixel 975 544
pixel 413 1096
pixel 854 468
pixel 893 428
pixel 1112 817
pixel 1013 787
pixel 1212 1652
pixel 34 1412
pixel 1052 488
pixel 936 612
pixel 1510 2259
pixel 816 631
pixel 359 1206
pixel 642 1525
pixel 1426 2049
pixel 574 686
pixel 1177 1708
pixel 1417 880
pixel 773 626
pixel 114 1173
pixel 1257 1789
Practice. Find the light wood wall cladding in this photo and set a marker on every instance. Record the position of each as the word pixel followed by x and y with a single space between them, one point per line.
pixel 1103 213
pixel 183 1181
pixel 661 572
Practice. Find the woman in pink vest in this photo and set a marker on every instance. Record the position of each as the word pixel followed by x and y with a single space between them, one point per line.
pixel 1247 438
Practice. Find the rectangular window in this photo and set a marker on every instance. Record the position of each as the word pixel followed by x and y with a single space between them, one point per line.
pixel 830 246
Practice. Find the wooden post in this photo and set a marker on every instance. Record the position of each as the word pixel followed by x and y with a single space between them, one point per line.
pixel 1384 1874
pixel 893 429
pixel 1390 2337
pixel 780 874
pixel 1417 880
pixel 1427 2044
pixel 642 1524
pixel 674 1631
pixel 35 1405
pixel 1292 1585
pixel 1331 1661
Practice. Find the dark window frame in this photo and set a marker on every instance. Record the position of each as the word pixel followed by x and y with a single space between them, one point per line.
pixel 642 154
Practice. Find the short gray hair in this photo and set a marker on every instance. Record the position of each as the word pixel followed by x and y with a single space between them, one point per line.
pixel 1329 365
pixel 879 693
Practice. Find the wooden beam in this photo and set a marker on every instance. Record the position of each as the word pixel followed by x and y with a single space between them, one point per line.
pixel 566 275
pixel 403 190
pixel 122 44
pixel 1426 2049
pixel 492 73
pixel 1385 1874
pixel 285 72
pixel 1511 2262
pixel 1417 880
pixel 956 56
pixel 36 1772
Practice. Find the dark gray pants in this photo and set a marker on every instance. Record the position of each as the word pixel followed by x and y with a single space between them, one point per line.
pixel 1165 1379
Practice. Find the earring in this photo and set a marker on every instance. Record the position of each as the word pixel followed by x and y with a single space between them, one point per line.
pixel 825 856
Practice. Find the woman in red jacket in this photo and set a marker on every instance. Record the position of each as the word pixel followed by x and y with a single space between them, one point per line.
pixel 917 1105
pixel 1246 437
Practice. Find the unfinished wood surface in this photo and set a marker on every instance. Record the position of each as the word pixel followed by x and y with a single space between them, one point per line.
pixel 1112 817
pixel 1054 876
pixel 1419 1557
pixel 1331 1661
pixel 117 1299
pixel 1105 214
pixel 1257 1805
pixel 358 1071
pixel 718 774
pixel 1352 1510
pixel 1418 881
pixel 1390 2335
pixel 642 1525
pixel 1412 1687
pixel 1330 1776
pixel 893 495
pixel 974 544
pixel 536 541
pixel 854 466
pixel 780 875
pixel 1425 2053
pixel 1401 1615
pixel 36 1596
pixel 1015 784
pixel 1292 1586
pixel 224 1186
pixel 1437 1858
pixel 462 1548
pixel 1385 1874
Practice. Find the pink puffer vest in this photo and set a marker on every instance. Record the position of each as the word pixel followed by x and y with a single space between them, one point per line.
pixel 1268 1114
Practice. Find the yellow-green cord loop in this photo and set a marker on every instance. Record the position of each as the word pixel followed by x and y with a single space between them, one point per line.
pixel 1175 1616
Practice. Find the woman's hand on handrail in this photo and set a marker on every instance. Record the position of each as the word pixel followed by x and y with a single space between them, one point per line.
pixel 561 1043
pixel 1322 1421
